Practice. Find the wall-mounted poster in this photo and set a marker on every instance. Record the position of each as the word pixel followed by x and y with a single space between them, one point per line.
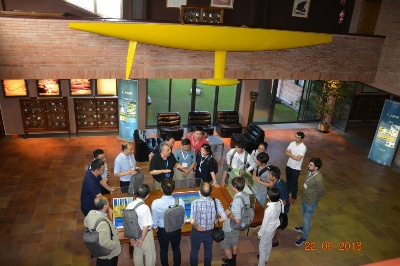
pixel 387 135
pixel 301 8
pixel 128 106
pixel 80 87
pixel 15 88
pixel 222 3
pixel 48 87
pixel 106 87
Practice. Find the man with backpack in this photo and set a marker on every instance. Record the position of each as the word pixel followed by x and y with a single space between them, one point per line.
pixel 168 219
pixel 203 214
pixel 185 156
pixel 144 245
pixel 234 213
pixel 108 234
pixel 260 175
pixel 237 158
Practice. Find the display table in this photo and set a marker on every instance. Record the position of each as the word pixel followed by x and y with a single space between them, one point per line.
pixel 221 193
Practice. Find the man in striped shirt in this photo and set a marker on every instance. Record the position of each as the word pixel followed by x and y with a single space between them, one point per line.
pixel 202 218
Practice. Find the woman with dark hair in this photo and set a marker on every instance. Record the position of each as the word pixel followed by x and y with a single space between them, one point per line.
pixel 206 166
pixel 269 224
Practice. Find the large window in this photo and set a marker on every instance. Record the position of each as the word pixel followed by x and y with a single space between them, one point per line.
pixel 176 96
pixel 102 8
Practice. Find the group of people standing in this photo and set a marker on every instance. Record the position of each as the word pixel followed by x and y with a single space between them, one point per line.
pixel 192 165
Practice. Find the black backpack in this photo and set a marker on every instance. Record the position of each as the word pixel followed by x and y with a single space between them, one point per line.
pixel 247 213
pixel 91 240
pixel 131 223
pixel 174 217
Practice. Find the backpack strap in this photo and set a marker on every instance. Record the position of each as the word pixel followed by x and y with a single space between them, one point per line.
pixel 265 169
pixel 216 212
pixel 176 201
pixel 233 155
pixel 101 220
pixel 137 205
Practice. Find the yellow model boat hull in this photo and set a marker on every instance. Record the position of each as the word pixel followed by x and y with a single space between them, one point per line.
pixel 203 38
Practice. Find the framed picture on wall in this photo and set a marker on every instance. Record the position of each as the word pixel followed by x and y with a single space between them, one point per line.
pixel 106 87
pixel 222 3
pixel 80 87
pixel 301 8
pixel 176 3
pixel 15 88
pixel 48 87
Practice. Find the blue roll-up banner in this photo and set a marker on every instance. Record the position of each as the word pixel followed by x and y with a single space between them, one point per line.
pixel 386 137
pixel 127 103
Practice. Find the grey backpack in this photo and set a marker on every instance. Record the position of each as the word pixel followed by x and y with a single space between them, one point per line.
pixel 131 223
pixel 247 213
pixel 91 240
pixel 174 217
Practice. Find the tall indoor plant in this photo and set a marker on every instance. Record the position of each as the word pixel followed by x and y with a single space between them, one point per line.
pixel 328 97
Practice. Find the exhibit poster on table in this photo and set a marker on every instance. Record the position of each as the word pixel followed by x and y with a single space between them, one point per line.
pixel 127 108
pixel 386 137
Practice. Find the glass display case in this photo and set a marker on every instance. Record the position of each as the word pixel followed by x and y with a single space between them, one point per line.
pixel 44 115
pixel 197 14
pixel 96 114
pixel 251 184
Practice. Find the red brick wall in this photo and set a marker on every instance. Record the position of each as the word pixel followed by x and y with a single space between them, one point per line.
pixel 38 48
pixel 388 75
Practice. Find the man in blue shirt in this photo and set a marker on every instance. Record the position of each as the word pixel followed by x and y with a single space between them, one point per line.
pixel 186 156
pixel 91 187
pixel 125 167
pixel 202 218
pixel 158 208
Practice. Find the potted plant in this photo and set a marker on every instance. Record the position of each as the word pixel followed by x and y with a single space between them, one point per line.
pixel 328 98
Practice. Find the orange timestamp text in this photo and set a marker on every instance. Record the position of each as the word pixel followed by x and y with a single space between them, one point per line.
pixel 328 245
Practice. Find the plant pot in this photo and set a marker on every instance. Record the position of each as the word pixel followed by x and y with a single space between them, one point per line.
pixel 323 127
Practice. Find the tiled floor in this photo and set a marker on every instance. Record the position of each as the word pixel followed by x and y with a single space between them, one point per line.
pixel 41 221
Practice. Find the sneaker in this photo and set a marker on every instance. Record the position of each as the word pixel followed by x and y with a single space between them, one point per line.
pixel 292 201
pixel 300 242
pixel 275 243
pixel 298 229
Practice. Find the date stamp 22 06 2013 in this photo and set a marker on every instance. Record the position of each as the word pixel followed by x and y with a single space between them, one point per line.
pixel 329 245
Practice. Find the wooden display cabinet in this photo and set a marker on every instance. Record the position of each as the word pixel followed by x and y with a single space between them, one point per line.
pixel 198 14
pixel 44 115
pixel 96 114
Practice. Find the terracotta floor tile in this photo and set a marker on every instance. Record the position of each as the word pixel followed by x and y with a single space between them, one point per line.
pixel 29 250
pixel 48 203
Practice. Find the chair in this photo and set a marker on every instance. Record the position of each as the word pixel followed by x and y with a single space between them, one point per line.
pixel 253 136
pixel 228 123
pixel 143 145
pixel 202 119
pixel 169 123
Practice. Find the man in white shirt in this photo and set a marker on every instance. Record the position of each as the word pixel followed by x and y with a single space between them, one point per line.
pixel 238 158
pixel 125 167
pixel 296 152
pixel 145 244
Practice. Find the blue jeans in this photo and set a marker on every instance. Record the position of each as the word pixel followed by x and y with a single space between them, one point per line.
pixel 307 211
pixel 292 177
pixel 196 238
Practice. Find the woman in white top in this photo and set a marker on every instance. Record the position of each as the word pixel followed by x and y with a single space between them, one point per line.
pixel 262 147
pixel 269 224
